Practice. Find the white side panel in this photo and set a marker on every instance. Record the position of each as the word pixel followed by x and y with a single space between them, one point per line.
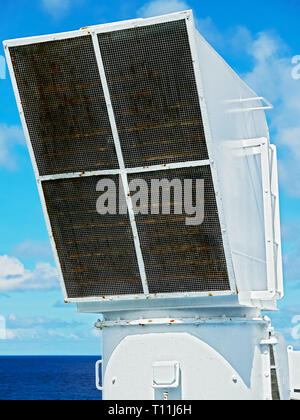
pixel 236 114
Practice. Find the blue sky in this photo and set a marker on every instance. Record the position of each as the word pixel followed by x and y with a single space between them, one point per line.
pixel 258 39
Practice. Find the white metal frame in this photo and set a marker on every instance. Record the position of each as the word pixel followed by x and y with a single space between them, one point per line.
pixel 199 320
pixel 149 297
pixel 267 152
pixel 261 146
pixel 271 197
pixel 163 167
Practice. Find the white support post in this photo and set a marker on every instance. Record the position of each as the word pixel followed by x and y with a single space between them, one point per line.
pixel 276 221
pixel 268 217
pixel 266 372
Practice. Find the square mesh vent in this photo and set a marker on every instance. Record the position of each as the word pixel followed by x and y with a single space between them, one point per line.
pixel 96 252
pixel 177 257
pixel 151 80
pixel 152 84
pixel 64 106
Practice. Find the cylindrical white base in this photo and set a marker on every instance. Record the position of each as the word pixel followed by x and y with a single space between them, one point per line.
pixel 192 357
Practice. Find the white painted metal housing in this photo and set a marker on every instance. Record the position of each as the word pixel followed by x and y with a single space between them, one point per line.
pixel 197 355
pixel 213 344
pixel 243 166
pixel 247 172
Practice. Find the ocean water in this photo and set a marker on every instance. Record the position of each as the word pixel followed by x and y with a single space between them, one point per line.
pixel 48 378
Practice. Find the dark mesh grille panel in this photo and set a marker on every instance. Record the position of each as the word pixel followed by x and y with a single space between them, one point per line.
pixel 151 80
pixel 152 85
pixel 180 258
pixel 64 106
pixel 96 252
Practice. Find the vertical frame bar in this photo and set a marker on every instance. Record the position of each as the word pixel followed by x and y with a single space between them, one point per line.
pixel 121 163
pixel 266 372
pixel 193 45
pixel 276 220
pixel 268 218
pixel 36 171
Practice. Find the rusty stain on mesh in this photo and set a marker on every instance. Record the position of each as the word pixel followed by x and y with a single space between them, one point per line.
pixel 180 258
pixel 96 252
pixel 151 79
pixel 64 106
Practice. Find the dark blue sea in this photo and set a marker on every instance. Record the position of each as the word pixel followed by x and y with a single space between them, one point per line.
pixel 48 378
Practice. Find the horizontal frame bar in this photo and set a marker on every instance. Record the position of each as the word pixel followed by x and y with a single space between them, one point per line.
pixel 137 23
pixel 165 166
pixel 178 321
pixel 153 296
pixel 44 38
pixel 102 28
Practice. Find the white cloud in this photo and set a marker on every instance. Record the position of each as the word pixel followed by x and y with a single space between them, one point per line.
pixel 285 321
pixel 96 333
pixel 42 328
pixel 56 8
pixel 272 77
pixel 9 138
pixel 208 29
pixel 14 276
pixel 240 41
pixel 33 249
pixel 162 7
pixel 60 334
pixel 21 334
pixel 291 241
